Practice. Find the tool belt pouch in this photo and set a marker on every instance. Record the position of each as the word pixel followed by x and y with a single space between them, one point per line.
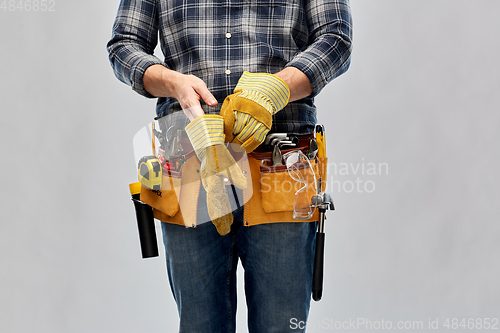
pixel 179 192
pixel 274 190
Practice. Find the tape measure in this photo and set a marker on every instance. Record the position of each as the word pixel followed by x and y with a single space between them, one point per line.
pixel 149 172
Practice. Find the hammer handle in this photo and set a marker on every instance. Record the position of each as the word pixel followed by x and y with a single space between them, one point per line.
pixel 317 287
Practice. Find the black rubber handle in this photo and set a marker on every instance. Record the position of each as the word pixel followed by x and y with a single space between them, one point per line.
pixel 317 287
pixel 146 226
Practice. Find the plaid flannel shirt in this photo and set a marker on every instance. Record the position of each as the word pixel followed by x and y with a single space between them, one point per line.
pixel 216 40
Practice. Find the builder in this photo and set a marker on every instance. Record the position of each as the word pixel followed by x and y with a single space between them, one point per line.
pixel 262 63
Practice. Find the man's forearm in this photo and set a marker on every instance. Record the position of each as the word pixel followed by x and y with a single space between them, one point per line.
pixel 156 81
pixel 297 82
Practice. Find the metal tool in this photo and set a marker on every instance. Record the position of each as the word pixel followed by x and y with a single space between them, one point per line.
pixel 278 143
pixel 171 149
pixel 178 144
pixel 161 138
pixel 313 149
pixel 272 136
pixel 276 156
pixel 285 140
pixel 324 202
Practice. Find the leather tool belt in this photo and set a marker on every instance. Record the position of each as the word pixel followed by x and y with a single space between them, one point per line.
pixel 269 199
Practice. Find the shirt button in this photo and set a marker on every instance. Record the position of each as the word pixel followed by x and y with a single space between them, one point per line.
pixel 228 71
pixel 228 35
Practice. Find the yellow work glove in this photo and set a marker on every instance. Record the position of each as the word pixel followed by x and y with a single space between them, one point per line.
pixel 207 138
pixel 248 111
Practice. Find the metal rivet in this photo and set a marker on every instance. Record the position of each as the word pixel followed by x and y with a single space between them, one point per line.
pixel 228 71
pixel 193 225
pixel 263 162
pixel 228 35
pixel 246 222
pixel 244 172
pixel 226 180
pixel 198 170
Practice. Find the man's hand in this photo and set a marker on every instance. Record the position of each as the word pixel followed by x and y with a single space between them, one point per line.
pixel 206 134
pixel 248 111
pixel 160 81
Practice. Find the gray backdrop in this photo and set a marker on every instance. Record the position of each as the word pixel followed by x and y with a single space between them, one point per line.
pixel 413 130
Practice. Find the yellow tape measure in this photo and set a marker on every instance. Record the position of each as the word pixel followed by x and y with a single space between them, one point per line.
pixel 150 172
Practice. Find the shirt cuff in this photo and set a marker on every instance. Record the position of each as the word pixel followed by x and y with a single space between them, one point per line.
pixel 318 67
pixel 138 73
pixel 307 66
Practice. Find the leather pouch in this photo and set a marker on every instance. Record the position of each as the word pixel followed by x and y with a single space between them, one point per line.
pixel 179 194
pixel 268 206
pixel 278 188
pixel 166 199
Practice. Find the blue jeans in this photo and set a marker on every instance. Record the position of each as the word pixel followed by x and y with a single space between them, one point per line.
pixel 278 262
